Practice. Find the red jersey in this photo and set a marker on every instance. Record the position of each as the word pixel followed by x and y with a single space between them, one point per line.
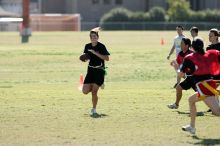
pixel 200 62
pixel 213 60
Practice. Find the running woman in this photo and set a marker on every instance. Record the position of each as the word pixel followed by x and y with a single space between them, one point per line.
pixel 177 47
pixel 94 79
pixel 188 82
pixel 200 65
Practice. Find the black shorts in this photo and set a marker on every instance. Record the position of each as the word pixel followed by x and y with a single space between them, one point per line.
pixel 188 83
pixel 216 77
pixel 94 76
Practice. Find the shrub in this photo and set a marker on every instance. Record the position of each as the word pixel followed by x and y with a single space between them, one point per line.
pixel 179 10
pixel 139 17
pixel 116 15
pixel 157 14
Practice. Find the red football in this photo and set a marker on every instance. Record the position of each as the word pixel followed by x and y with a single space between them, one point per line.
pixel 84 57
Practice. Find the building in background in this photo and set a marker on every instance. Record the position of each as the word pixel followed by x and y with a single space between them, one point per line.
pixel 197 5
pixel 15 6
pixel 93 10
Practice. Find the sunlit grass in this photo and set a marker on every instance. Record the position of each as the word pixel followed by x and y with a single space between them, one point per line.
pixel 41 104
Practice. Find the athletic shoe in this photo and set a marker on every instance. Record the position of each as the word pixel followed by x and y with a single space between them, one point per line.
pixel 95 115
pixel 189 129
pixel 200 114
pixel 209 110
pixel 172 106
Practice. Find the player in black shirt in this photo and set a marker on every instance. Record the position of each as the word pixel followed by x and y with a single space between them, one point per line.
pixel 213 38
pixel 98 54
pixel 215 45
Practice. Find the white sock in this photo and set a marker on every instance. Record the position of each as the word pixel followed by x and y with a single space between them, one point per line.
pixel 93 110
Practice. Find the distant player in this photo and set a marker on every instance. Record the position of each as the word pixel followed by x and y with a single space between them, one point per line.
pixel 194 32
pixel 213 39
pixel 200 65
pixel 188 82
pixel 177 48
pixel 94 79
pixel 215 45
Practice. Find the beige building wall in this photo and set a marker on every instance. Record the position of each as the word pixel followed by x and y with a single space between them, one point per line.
pixel 53 6
pixel 12 5
pixel 93 12
pixel 16 6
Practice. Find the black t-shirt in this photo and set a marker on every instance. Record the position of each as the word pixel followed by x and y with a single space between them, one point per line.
pixel 95 60
pixel 214 47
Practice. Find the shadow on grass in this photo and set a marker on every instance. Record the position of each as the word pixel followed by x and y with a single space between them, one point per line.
pixel 187 113
pixel 206 142
pixel 98 115
pixel 6 86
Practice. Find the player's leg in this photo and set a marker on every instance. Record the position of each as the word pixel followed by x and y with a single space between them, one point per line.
pixel 179 94
pixel 184 85
pixel 178 98
pixel 87 85
pixel 192 105
pixel 212 103
pixel 94 91
pixel 86 88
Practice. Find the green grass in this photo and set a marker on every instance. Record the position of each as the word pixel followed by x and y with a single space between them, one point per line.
pixel 41 105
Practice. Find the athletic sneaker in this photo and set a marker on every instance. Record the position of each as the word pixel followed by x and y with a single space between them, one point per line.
pixel 209 110
pixel 172 106
pixel 94 114
pixel 189 129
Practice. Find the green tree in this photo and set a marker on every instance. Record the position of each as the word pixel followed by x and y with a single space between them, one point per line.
pixel 179 10
pixel 157 14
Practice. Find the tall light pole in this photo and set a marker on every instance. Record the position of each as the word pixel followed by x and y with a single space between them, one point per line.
pixel 26 30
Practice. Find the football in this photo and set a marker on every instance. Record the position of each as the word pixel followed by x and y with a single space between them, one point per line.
pixel 84 57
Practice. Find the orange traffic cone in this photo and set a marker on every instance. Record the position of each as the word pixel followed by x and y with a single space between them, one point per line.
pixel 162 41
pixel 81 80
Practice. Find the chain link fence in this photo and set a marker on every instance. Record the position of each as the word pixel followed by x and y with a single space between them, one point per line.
pixel 85 26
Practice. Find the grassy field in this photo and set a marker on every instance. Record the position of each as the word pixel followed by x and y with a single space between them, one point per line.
pixel 40 103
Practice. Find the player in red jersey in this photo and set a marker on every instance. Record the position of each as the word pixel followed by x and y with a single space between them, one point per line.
pixel 201 65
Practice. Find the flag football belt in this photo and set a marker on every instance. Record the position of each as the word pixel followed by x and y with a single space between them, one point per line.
pixel 97 67
pixel 207 88
pixel 100 67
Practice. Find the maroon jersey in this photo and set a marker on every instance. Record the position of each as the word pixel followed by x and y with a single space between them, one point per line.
pixel 181 56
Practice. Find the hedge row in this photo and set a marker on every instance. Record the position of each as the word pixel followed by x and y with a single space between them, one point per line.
pixel 178 11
